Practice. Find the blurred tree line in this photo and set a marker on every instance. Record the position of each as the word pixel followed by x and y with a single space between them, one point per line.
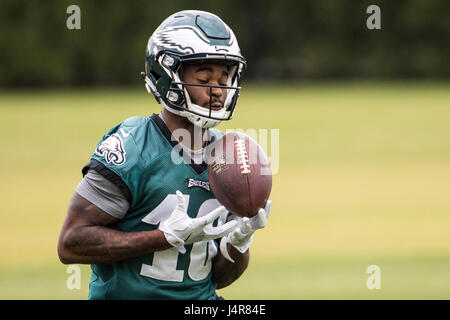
pixel 303 39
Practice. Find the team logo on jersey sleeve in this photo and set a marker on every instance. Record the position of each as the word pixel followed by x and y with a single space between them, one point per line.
pixel 112 150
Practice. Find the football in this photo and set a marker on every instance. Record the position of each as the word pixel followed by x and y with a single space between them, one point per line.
pixel 239 174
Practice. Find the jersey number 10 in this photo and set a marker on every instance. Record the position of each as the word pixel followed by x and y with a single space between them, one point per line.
pixel 164 266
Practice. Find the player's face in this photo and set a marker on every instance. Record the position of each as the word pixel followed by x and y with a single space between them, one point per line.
pixel 210 74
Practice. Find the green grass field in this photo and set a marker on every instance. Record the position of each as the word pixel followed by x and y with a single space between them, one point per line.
pixel 363 179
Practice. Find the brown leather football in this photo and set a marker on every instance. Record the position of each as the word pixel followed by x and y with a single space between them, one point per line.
pixel 239 174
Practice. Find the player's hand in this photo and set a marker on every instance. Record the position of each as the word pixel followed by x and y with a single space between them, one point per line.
pixel 242 236
pixel 179 229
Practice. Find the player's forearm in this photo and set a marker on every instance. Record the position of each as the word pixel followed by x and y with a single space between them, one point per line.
pixel 98 244
pixel 226 272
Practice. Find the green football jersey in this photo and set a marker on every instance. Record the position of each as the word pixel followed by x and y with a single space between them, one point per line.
pixel 140 156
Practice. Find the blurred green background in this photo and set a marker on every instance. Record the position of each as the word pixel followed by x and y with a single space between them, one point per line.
pixel 363 117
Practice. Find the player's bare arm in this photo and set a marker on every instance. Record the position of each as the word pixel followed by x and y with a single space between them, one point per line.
pixel 86 238
pixel 234 254
pixel 226 272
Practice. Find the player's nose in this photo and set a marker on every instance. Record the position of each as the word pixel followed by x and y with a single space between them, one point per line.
pixel 215 91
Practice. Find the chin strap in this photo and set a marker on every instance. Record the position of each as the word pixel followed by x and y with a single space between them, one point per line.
pixel 202 122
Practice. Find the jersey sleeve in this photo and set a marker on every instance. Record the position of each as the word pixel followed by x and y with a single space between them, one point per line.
pixel 117 157
pixel 104 194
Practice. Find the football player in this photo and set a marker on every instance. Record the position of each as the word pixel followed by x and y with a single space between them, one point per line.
pixel 143 215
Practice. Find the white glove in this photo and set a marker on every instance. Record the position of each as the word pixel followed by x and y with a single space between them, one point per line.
pixel 242 236
pixel 179 229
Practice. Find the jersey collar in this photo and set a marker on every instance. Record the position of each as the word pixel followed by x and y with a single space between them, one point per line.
pixel 198 168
